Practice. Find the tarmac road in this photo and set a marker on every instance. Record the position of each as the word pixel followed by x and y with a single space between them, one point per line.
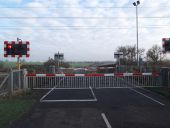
pixel 114 108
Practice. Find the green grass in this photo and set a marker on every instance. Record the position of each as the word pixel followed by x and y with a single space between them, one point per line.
pixel 80 64
pixel 7 64
pixel 12 108
pixel 164 91
pixel 10 64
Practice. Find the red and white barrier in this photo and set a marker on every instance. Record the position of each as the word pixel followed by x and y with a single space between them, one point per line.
pixel 84 81
pixel 97 75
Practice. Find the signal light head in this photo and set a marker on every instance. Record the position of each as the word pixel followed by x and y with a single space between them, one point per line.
pixel 16 49
pixel 134 4
pixel 9 46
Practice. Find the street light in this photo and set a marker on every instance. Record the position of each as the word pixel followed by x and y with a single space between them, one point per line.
pixel 136 5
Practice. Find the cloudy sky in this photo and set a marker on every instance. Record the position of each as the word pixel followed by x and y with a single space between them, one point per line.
pixel 84 30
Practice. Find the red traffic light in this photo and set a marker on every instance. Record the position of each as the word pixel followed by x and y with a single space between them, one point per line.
pixel 9 46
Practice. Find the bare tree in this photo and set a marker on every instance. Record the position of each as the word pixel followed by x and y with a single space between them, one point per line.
pixel 129 53
pixel 154 55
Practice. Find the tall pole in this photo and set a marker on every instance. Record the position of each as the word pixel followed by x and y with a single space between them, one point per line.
pixel 58 63
pixel 18 59
pixel 19 68
pixel 137 36
pixel 136 4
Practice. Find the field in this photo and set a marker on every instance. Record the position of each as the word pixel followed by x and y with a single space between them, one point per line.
pixel 9 64
pixel 13 108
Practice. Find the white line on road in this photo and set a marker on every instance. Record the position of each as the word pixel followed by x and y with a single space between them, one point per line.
pixel 147 96
pixel 50 91
pixel 106 120
pixel 83 100
pixel 94 96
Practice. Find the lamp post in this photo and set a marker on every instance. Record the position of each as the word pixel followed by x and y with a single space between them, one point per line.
pixel 136 5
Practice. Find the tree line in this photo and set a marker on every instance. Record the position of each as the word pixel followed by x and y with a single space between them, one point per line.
pixel 153 56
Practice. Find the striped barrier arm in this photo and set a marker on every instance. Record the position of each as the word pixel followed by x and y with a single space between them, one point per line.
pixel 95 75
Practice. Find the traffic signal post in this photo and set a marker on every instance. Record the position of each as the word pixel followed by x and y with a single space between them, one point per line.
pixel 18 63
pixel 18 59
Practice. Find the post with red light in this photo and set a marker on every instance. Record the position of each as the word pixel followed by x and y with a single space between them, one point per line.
pixel 17 49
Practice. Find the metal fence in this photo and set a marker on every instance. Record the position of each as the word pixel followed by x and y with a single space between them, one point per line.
pixel 17 80
pixel 42 81
pixel 4 83
pixel 13 81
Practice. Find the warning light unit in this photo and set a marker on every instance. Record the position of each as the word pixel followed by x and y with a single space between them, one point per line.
pixel 166 44
pixel 16 49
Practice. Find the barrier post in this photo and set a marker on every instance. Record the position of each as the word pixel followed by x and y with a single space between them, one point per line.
pixel 10 83
pixel 25 80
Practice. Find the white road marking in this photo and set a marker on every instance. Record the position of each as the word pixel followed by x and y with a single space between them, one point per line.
pixel 94 96
pixel 50 91
pixel 106 120
pixel 84 100
pixel 147 96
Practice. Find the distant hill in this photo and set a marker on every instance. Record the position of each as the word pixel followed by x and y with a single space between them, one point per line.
pixel 80 64
pixel 74 64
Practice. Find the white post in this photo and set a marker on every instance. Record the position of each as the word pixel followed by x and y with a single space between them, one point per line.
pixel 10 83
pixel 19 79
pixel 25 80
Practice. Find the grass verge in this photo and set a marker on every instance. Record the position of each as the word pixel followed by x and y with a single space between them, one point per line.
pixel 164 91
pixel 13 108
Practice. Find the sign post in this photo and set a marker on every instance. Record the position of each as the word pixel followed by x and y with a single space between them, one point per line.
pixel 59 57
pixel 118 56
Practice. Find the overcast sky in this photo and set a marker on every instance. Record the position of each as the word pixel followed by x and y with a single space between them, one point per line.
pixel 84 30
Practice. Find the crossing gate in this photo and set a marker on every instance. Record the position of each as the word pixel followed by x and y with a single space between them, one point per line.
pixel 117 80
